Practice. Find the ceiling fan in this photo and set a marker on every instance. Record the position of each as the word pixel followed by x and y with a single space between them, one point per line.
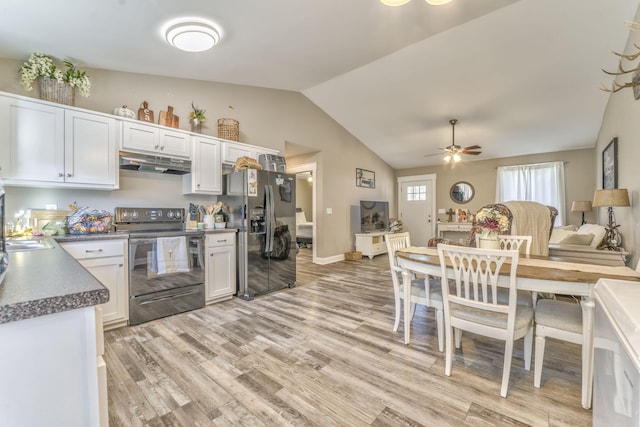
pixel 454 151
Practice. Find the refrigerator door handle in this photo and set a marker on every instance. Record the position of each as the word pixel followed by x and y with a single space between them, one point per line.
pixel 268 247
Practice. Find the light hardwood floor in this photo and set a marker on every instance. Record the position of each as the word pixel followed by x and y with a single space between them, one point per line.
pixel 324 354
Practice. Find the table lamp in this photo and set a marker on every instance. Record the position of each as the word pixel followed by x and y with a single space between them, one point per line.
pixel 610 198
pixel 581 206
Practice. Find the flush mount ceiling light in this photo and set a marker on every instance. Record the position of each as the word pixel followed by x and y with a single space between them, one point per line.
pixel 401 2
pixel 192 36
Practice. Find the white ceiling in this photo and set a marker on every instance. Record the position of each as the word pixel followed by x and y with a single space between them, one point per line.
pixel 521 76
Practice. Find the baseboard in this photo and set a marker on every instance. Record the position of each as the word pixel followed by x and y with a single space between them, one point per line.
pixel 328 260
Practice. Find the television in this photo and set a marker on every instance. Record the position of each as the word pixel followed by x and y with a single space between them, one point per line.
pixel 374 216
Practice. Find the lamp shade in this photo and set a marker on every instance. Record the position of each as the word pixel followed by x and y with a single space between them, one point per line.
pixel 581 206
pixel 611 197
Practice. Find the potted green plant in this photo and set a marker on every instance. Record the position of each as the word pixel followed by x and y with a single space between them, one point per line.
pixel 55 85
pixel 196 118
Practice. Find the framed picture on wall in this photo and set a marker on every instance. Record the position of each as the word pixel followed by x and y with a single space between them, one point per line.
pixel 610 165
pixel 365 178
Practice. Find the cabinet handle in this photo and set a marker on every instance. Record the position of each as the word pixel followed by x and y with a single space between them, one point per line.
pixel 92 250
pixel 198 185
pixel 60 174
pixel 69 175
pixel 120 265
pixel 161 147
pixel 157 146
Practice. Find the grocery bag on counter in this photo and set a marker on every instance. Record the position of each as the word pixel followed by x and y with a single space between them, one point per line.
pixel 89 220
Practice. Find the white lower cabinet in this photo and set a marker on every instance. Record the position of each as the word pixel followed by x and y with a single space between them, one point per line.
pixel 107 261
pixel 49 372
pixel 220 271
pixel 371 244
pixel 103 402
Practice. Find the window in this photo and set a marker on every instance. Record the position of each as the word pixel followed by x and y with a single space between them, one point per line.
pixel 416 192
pixel 541 182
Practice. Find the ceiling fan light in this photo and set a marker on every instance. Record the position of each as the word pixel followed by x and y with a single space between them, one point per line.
pixel 456 157
pixel 447 157
pixel 394 2
pixel 438 2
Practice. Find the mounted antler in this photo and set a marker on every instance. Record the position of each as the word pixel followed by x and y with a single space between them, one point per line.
pixel 635 82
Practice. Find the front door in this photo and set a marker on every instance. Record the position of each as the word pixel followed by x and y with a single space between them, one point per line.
pixel 416 207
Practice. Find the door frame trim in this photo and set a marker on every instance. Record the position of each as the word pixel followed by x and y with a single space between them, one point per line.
pixel 427 177
pixel 313 167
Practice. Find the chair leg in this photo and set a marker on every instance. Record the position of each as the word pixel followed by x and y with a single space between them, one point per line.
pixel 448 350
pixel 398 310
pixel 528 345
pixel 537 370
pixel 506 371
pixel 440 326
pixel 413 310
pixel 458 336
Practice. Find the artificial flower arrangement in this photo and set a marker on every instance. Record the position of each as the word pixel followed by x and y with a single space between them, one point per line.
pixel 41 65
pixel 490 222
pixel 197 113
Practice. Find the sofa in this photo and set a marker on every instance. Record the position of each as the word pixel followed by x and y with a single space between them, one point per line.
pixel 581 244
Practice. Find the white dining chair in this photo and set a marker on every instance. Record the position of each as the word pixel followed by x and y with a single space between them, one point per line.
pixel 471 303
pixel 509 243
pixel 424 291
pixel 557 319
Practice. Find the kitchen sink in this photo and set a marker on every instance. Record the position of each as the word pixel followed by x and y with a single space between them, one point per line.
pixel 17 245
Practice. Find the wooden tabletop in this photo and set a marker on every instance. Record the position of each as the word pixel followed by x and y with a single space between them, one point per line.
pixel 537 267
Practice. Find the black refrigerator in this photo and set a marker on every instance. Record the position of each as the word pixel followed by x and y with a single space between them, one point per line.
pixel 262 206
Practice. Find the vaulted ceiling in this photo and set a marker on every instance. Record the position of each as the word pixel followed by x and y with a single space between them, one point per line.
pixel 522 77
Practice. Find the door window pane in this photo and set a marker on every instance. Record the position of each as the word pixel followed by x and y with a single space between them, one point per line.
pixel 416 193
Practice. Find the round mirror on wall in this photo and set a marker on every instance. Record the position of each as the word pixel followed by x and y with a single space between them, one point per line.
pixel 461 192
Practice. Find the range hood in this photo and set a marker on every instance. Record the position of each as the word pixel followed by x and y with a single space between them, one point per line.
pixel 156 164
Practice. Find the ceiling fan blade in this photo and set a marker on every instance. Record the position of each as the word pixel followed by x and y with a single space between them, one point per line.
pixel 472 147
pixel 435 154
pixel 474 153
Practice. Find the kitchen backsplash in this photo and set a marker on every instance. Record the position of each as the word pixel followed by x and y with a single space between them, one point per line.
pixel 136 189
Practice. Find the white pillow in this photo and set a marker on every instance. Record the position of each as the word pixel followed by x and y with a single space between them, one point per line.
pixel 558 234
pixel 597 230
pixel 577 239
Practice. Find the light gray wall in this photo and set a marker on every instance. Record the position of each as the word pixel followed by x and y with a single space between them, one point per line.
pixel 621 120
pixel 267 118
pixel 579 179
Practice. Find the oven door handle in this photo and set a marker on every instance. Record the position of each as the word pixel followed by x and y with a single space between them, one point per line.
pixel 141 241
pixel 168 297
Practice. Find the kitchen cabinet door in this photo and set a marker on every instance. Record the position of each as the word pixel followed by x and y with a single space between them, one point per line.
pixel 91 151
pixel 52 146
pixel 206 175
pixel 220 273
pixel 33 147
pixel 154 139
pixel 106 260
pixel 231 151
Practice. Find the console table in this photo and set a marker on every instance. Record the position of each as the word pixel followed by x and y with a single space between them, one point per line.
pixel 455 227
pixel 371 244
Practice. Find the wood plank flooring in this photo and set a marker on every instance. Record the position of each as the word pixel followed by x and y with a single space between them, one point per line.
pixel 323 354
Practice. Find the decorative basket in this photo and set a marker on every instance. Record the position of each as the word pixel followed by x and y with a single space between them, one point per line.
pixel 55 91
pixel 229 129
pixel 353 256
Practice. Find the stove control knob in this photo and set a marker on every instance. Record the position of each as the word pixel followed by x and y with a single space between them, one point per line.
pixel 125 214
pixel 134 214
pixel 178 214
pixel 170 214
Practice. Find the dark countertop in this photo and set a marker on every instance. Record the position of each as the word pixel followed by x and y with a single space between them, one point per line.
pixel 47 281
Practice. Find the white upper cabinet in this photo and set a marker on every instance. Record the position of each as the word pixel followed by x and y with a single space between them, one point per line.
pixel 155 139
pixel 45 145
pixel 206 171
pixel 231 151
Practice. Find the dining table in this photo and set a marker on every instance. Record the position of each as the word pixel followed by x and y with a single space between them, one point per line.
pixel 534 273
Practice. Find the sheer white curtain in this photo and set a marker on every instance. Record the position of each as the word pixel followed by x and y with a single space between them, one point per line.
pixel 540 182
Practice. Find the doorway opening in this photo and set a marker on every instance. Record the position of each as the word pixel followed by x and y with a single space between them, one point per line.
pixel 306 218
